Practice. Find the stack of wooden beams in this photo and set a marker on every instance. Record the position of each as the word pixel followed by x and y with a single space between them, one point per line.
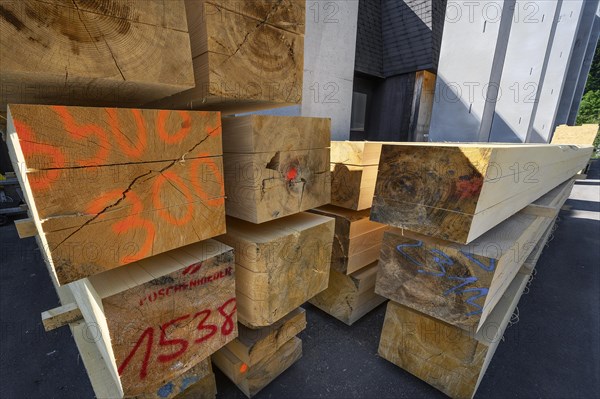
pixel 93 53
pixel 469 222
pixel 276 167
pixel 257 357
pixel 353 173
pixel 97 183
pixel 357 241
pixel 356 245
pixel 124 202
pixel 247 55
pixel 223 55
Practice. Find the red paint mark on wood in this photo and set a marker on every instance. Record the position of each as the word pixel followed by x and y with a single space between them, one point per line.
pixel 203 327
pixel 183 344
pixel 469 186
pixel 149 332
pixel 228 326
pixel 292 174
pixel 185 285
pixel 191 269
pixel 163 341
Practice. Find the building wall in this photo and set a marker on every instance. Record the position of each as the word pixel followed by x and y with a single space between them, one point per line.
pixel 407 36
pixel 369 39
pixel 329 51
pixel 501 79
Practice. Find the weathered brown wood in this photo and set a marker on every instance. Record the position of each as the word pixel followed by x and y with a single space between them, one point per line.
pixel 268 133
pixel 25 228
pixel 584 134
pixel 460 284
pixel 275 166
pixel 352 186
pixel 422 107
pixel 284 14
pixel 100 53
pixel 101 183
pixel 457 192
pixel 251 379
pixel 358 153
pixel 61 316
pixel 540 210
pixel 198 383
pixel 449 358
pixel 357 239
pixel 251 346
pixel 279 264
pixel 354 173
pixel 155 319
pixel 348 298
pixel 206 388
pixel 243 59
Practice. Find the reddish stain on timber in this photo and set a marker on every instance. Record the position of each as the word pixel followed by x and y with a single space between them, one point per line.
pixel 182 344
pixel 291 174
pixel 243 368
pixel 195 268
pixel 468 186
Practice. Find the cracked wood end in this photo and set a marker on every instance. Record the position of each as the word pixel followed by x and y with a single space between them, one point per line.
pixel 106 187
pixel 94 53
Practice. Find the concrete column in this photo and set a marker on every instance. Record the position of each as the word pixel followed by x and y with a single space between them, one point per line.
pixel 522 69
pixel 329 50
pixel 471 32
pixel 553 80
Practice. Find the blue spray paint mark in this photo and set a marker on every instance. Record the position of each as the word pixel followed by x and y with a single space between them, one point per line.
pixel 442 260
pixel 165 390
pixel 489 268
pixel 465 281
pixel 471 300
pixel 187 381
pixel 401 247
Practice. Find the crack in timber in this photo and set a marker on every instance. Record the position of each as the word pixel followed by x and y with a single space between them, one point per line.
pixel 130 186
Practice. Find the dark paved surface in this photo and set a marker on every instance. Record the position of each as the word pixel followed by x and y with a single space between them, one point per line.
pixel 552 352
